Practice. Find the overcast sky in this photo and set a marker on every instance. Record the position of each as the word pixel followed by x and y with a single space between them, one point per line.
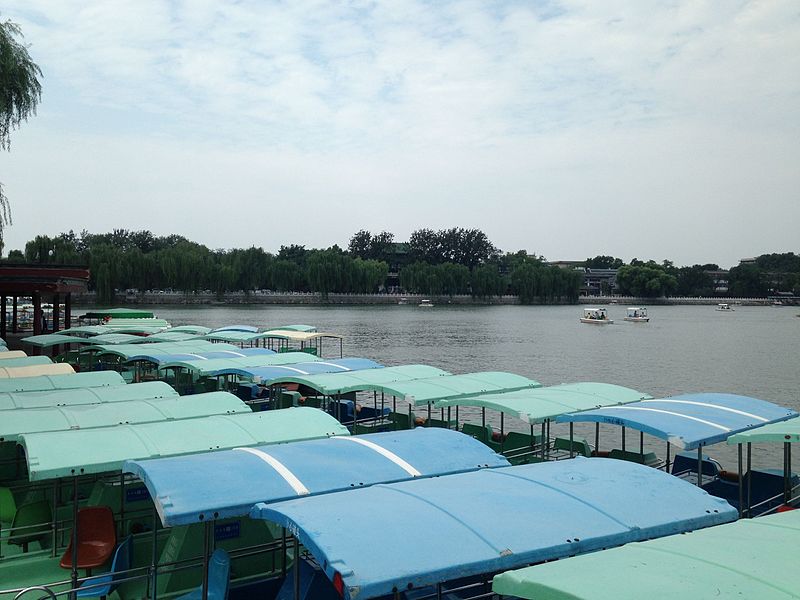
pixel 570 129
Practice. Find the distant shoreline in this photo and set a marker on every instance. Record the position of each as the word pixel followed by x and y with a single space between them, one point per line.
pixel 316 299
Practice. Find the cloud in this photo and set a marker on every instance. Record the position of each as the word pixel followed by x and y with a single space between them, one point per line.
pixel 569 128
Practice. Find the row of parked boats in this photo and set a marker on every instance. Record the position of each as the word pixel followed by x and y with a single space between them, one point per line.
pixel 236 470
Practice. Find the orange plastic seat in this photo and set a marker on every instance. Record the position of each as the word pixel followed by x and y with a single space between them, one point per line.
pixel 97 537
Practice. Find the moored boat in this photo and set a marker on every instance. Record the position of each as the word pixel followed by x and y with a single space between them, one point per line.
pixel 724 307
pixel 425 303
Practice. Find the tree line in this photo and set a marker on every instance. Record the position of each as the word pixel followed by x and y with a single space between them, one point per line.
pixel 437 263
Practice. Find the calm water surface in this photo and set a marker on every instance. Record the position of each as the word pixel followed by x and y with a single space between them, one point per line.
pixel 754 351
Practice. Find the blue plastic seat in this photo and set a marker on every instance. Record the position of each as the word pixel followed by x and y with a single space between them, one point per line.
pixel 219 571
pixel 103 585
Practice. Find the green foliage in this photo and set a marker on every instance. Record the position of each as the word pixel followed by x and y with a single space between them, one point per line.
pixel 695 280
pixel 467 247
pixel 486 281
pixel 648 280
pixel 535 282
pixel 603 262
pixel 20 93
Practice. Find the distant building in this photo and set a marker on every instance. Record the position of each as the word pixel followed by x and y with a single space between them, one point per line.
pixel 720 281
pixel 599 282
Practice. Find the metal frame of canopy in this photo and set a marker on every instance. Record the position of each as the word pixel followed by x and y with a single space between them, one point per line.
pixel 332 386
pixel 540 405
pixel 479 523
pixel 686 420
pixel 784 432
pixel 304 338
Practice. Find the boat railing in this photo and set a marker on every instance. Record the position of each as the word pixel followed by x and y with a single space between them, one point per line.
pixel 783 498
pixel 149 573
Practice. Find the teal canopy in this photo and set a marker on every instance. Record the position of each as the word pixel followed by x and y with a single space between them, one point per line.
pixel 125 351
pixel 540 404
pixel 150 390
pixel 330 384
pixel 65 381
pixel 67 453
pixel 424 391
pixel 774 433
pixel 84 416
pixel 218 366
pixel 50 339
pixel 752 558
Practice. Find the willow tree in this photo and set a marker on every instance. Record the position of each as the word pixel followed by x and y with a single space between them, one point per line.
pixel 20 92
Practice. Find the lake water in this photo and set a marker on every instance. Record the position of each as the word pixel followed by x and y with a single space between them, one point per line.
pixel 754 351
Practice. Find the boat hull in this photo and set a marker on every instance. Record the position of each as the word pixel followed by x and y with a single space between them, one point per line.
pixel 598 321
pixel 637 319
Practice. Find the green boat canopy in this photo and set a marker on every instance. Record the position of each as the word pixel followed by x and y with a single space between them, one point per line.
pixel 125 351
pixel 118 313
pixel 329 384
pixel 67 453
pixel 122 323
pixel 172 336
pixel 235 337
pixel 26 361
pixel 62 382
pixel 198 329
pixel 86 330
pixel 424 391
pixel 775 433
pixel 305 328
pixel 51 339
pixel 216 366
pixel 751 558
pixel 84 416
pixel 294 335
pixel 540 404
pixel 35 370
pixel 115 339
pixel 150 390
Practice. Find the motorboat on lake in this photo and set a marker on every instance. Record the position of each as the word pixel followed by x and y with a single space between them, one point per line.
pixel 425 303
pixel 596 315
pixel 637 314
pixel 722 307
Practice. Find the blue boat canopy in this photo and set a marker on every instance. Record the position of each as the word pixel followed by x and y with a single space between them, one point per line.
pixel 268 374
pixel 189 489
pixel 160 358
pixel 690 420
pixel 456 526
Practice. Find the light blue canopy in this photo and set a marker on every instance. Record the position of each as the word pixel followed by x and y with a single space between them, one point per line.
pixel 159 358
pixel 268 374
pixel 450 527
pixel 690 420
pixel 189 489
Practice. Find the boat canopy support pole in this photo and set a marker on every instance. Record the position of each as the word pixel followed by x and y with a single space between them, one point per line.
pixel 502 432
pixel 74 575
pixel 14 319
pixel 3 332
pixel 597 437
pixel 749 476
pixel 54 523
pixel 295 569
pixel 206 545
pixel 623 438
pixel 483 416
pixel 741 487
pixel 641 445
pixel 571 439
pixel 154 555
pixel 787 472
pixel 668 457
pixel 545 441
pixel 699 466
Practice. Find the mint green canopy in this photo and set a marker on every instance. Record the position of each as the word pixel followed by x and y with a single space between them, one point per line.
pixel 329 384
pixel 424 391
pixel 125 351
pixel 172 336
pixel 215 366
pixel 110 337
pixel 751 558
pixel 26 361
pixel 305 328
pixel 48 340
pixel 66 453
pixel 84 416
pixel 236 337
pixel 775 433
pixel 199 329
pixel 62 382
pixel 540 404
pixel 150 390
pixel 86 330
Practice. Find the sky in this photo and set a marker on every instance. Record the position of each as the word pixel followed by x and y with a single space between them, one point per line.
pixel 663 130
